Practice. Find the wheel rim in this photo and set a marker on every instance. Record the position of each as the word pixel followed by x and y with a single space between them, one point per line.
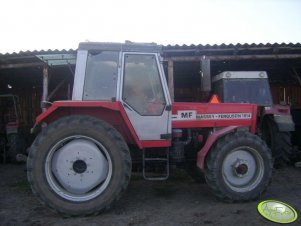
pixel 243 169
pixel 78 168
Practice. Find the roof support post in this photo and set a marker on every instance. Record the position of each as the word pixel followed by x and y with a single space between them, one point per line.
pixel 205 74
pixel 171 80
pixel 45 88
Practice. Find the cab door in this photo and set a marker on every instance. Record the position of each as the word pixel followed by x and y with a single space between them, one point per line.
pixel 144 95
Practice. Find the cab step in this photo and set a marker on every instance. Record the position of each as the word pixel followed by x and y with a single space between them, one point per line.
pixel 158 162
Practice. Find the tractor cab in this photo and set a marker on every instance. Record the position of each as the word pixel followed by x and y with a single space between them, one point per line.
pixel 131 74
pixel 243 87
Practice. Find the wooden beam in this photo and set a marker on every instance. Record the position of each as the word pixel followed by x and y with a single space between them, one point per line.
pixel 45 88
pixel 21 65
pixel 205 75
pixel 171 80
pixel 56 89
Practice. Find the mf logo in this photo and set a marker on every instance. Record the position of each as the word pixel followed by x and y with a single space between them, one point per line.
pixel 187 115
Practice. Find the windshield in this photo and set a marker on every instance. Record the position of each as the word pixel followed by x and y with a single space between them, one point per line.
pixel 255 91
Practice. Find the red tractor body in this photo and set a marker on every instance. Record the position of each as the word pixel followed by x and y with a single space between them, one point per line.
pixel 225 118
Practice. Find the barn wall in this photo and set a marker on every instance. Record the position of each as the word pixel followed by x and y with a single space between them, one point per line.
pixel 289 94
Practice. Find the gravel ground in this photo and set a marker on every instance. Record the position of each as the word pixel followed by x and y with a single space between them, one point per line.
pixel 177 201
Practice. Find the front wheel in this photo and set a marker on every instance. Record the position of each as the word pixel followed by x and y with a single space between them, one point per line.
pixel 239 167
pixel 79 166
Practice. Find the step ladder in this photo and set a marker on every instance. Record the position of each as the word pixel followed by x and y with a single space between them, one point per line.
pixel 162 161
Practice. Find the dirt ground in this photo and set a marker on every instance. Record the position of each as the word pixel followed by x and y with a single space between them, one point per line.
pixel 177 201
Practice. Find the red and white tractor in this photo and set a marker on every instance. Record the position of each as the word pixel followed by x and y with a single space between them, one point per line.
pixel 80 163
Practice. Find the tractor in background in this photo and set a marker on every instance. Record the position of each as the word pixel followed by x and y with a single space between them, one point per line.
pixel 274 123
pixel 12 134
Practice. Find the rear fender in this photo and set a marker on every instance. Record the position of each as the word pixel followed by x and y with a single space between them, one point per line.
pixel 213 137
pixel 281 115
pixel 111 112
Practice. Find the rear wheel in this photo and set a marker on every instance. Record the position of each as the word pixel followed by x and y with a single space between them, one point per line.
pixel 279 142
pixel 239 167
pixel 79 166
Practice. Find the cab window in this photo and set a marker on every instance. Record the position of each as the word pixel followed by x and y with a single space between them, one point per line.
pixel 101 76
pixel 142 87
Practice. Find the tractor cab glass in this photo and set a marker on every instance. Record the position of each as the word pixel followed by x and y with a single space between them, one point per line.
pixel 101 76
pixel 244 90
pixel 142 88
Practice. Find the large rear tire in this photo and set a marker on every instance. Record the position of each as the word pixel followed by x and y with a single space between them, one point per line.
pixel 279 142
pixel 239 167
pixel 79 166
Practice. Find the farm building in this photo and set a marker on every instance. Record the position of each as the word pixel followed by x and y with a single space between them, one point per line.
pixel 188 69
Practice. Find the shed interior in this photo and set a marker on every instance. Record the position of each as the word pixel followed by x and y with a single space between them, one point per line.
pixel 22 74
pixel 284 78
pixel 25 80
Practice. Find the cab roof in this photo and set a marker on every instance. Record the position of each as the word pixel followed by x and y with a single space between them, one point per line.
pixel 240 75
pixel 124 47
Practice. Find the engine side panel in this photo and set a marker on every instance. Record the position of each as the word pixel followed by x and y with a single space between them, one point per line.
pixel 198 115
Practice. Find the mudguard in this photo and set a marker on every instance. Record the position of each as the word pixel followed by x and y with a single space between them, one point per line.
pixel 282 117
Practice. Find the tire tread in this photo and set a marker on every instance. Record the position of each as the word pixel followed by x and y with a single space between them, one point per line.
pixel 97 125
pixel 212 167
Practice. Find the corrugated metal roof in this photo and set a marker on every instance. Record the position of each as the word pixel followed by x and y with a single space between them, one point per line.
pixel 37 58
pixel 238 45
pixel 61 57
pixel 253 49
pixel 35 52
pixel 168 48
